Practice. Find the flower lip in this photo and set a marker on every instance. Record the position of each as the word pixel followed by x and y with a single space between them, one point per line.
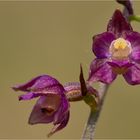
pixel 48 110
pixel 119 66
pixel 120 49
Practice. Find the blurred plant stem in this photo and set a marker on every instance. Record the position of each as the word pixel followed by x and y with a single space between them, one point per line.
pixel 134 18
pixel 89 131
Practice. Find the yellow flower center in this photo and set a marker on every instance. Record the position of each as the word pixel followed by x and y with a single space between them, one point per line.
pixel 120 43
pixel 120 49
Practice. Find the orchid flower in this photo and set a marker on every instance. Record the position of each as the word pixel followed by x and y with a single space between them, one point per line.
pixel 53 103
pixel 117 52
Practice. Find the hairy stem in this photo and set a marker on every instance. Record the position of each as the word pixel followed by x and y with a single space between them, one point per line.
pixel 89 131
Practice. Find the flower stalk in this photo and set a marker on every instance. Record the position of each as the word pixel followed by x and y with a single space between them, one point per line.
pixel 89 131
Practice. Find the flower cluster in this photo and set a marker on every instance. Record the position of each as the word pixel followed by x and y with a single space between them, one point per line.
pixel 117 52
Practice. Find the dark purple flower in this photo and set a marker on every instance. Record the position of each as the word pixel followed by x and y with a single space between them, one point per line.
pixel 53 102
pixel 52 105
pixel 117 52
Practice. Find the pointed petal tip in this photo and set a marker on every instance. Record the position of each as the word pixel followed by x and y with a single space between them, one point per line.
pixel 25 86
pixel 20 98
pixel 30 122
pixel 59 126
pixel 118 24
pixel 82 82
pixel 117 12
pixel 15 88
pixel 81 69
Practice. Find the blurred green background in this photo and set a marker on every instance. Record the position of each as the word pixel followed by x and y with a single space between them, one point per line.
pixel 54 38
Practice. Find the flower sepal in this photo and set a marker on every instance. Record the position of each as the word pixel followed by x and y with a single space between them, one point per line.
pixel 90 97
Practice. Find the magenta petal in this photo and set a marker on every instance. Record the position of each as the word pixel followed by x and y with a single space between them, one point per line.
pixel 101 44
pixel 24 87
pixel 63 108
pixel 42 84
pixel 120 66
pixel 101 71
pixel 28 96
pixel 61 125
pixel 132 76
pixel 46 82
pixel 45 109
pixel 134 39
pixel 136 55
pixel 118 24
pixel 37 116
pixel 120 63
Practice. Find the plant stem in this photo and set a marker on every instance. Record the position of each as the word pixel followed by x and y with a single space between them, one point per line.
pixel 89 131
pixel 134 18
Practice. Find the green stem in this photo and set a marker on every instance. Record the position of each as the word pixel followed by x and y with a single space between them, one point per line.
pixel 134 18
pixel 89 131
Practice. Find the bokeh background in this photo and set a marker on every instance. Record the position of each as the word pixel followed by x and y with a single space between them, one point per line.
pixel 54 38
